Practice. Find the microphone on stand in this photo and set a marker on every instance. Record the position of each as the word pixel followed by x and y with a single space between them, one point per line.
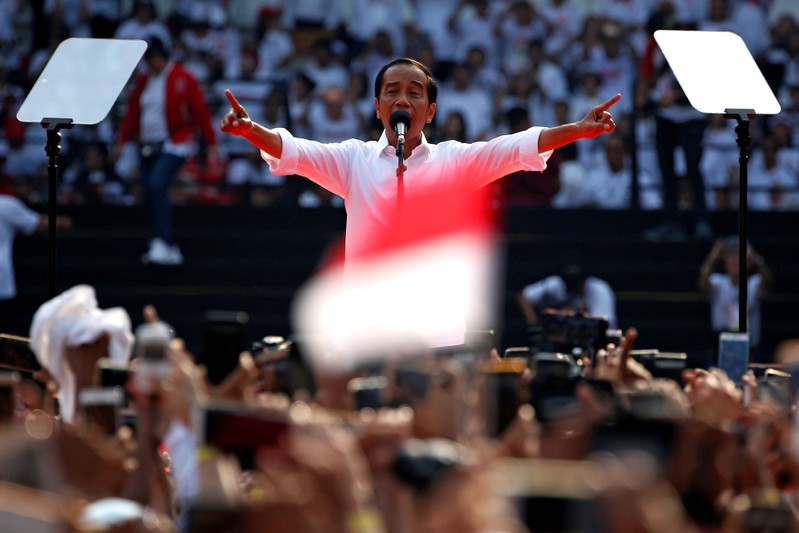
pixel 400 121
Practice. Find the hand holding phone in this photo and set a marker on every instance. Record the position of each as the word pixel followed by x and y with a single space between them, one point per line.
pixel 16 354
pixel 152 362
pixel 503 392
pixel 733 356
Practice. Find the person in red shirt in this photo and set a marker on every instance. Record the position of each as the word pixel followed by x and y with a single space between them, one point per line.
pixel 165 109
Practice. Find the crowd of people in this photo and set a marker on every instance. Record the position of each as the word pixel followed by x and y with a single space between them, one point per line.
pixel 308 66
pixel 108 428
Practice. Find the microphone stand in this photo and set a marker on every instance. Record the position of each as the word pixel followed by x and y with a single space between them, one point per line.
pixel 400 170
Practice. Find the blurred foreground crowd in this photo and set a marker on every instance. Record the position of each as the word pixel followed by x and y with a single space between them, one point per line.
pixel 104 427
pixel 308 65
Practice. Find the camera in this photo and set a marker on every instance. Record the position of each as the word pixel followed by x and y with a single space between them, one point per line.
pixel 552 390
pixel 669 365
pixel 419 463
pixel 503 394
pixel 565 331
pixel 555 379
pixel 369 392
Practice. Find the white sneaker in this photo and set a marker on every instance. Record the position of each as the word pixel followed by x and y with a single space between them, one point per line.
pixel 175 255
pixel 161 253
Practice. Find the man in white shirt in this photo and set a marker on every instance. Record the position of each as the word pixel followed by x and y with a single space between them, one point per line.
pixel 364 173
pixel 570 289
pixel 15 218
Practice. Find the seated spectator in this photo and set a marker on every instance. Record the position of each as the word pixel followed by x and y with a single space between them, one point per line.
pixel 515 26
pixel 333 119
pixel 472 102
pixel 95 182
pixel 323 67
pixel 608 183
pixel 275 47
pixel 203 45
pixel 772 184
pixel 472 24
pixel 144 24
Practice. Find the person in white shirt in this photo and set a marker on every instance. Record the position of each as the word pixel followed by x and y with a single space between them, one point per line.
pixel 472 102
pixel 771 181
pixel 16 218
pixel 570 289
pixel 722 288
pixel 361 172
pixel 609 183
pixel 144 24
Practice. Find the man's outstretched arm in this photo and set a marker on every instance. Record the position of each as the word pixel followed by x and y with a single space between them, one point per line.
pixel 595 123
pixel 237 122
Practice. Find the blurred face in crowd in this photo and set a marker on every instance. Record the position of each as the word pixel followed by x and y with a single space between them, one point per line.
pixel 334 102
pixel 614 151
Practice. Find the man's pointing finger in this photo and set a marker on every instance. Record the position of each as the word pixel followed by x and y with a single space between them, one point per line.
pixel 237 107
pixel 607 105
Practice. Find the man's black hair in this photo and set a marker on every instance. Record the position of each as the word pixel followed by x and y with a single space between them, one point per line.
pixel 432 88
pixel 156 47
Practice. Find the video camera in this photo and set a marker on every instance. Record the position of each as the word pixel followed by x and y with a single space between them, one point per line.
pixel 567 331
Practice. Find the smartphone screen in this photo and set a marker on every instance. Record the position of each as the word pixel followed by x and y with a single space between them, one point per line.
pixel 100 407
pixel 110 375
pixel 734 355
pixel 223 341
pixel 16 354
pixel 368 393
pixel 552 496
pixel 502 396
pixel 775 387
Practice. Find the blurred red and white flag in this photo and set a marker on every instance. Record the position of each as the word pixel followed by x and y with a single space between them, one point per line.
pixel 417 285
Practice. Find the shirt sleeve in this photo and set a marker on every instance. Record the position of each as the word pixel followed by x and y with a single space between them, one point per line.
pixel 488 161
pixel 18 216
pixel 551 286
pixel 601 300
pixel 326 164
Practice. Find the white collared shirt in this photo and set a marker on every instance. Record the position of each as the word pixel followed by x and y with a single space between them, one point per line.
pixel 364 173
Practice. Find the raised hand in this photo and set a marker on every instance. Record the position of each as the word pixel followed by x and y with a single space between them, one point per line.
pixel 236 121
pixel 599 120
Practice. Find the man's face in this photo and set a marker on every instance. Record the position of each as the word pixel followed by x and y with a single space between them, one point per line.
pixel 405 88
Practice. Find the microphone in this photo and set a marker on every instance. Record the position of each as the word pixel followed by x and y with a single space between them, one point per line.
pixel 400 121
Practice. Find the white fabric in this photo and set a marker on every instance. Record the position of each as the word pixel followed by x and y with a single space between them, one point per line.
pixel 473 103
pixel 767 185
pixel 364 173
pixel 14 218
pixel 724 305
pixel 153 126
pixel 69 320
pixel 597 297
pixel 606 189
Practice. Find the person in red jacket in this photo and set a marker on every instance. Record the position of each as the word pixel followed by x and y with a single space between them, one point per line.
pixel 165 109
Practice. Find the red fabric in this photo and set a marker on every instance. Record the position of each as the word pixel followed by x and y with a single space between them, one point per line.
pixel 431 213
pixel 186 108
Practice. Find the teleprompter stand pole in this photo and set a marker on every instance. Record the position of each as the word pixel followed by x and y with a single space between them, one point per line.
pixel 52 149
pixel 744 140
